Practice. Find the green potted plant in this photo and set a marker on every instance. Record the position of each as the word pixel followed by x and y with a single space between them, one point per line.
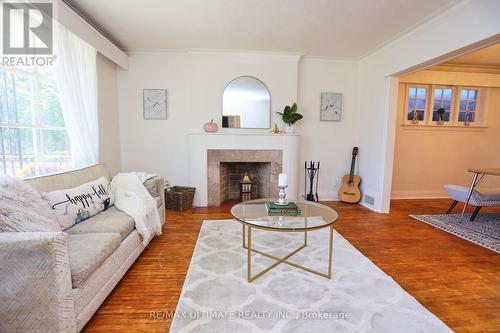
pixel 290 116
pixel 441 113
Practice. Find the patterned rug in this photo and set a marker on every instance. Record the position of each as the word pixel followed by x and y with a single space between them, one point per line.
pixel 360 297
pixel 484 230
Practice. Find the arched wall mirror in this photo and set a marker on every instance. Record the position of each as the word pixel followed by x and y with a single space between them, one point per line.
pixel 246 103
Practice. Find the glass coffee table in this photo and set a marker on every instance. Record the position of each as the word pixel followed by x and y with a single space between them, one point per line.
pixel 314 216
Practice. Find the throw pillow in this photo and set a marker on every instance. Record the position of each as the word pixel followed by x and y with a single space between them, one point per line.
pixel 13 219
pixel 74 205
pixel 17 193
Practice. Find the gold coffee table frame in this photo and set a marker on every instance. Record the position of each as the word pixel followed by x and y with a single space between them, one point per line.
pixel 248 225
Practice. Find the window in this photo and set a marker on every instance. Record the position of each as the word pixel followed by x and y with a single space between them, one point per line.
pixel 468 101
pixel 417 97
pixel 462 105
pixel 33 136
pixel 442 99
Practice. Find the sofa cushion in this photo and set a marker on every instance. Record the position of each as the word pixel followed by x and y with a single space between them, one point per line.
pixel 87 252
pixel 13 218
pixel 111 220
pixel 23 208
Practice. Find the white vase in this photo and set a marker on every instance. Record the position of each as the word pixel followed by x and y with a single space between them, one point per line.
pixel 289 129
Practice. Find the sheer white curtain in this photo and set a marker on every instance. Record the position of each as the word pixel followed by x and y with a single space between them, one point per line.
pixel 77 81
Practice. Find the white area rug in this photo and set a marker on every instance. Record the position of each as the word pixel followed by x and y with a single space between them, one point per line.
pixel 360 297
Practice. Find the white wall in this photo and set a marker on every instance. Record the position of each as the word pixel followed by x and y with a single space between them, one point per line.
pixel 158 146
pixel 195 82
pixel 107 109
pixel 460 26
pixel 329 142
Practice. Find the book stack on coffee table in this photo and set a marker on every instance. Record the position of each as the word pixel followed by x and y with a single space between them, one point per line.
pixel 290 208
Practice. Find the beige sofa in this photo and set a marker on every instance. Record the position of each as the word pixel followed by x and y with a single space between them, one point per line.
pixel 55 281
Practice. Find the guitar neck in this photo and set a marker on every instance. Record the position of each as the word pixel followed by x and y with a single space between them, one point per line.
pixel 351 173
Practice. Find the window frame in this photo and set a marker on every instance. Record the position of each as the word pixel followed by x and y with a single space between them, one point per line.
pixel 480 110
pixel 477 111
pixel 407 100
pixel 37 127
pixel 433 99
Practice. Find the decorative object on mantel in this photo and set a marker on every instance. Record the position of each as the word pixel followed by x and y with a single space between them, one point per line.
pixel 211 127
pixel 441 113
pixel 154 103
pixel 282 185
pixel 290 116
pixel 311 172
pixel 331 106
pixel 246 188
pixel 276 130
pixel 179 197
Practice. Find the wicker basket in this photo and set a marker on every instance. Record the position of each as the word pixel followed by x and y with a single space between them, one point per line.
pixel 179 197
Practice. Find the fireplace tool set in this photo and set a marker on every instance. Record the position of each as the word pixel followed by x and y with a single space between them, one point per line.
pixel 311 172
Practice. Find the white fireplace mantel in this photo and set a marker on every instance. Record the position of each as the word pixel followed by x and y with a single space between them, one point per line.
pixel 199 144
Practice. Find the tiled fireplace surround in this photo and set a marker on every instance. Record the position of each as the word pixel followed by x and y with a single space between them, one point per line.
pixel 282 151
pixel 266 165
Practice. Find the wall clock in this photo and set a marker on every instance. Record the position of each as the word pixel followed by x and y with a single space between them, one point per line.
pixel 154 103
pixel 331 106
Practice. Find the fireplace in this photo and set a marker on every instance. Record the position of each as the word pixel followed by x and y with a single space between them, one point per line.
pixel 226 168
pixel 207 151
pixel 232 173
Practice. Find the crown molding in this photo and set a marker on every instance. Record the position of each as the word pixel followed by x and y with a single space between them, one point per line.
pixel 222 52
pixel 331 59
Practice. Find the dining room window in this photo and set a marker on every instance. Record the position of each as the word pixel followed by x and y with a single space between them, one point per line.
pixel 417 101
pixel 444 105
pixel 442 100
pixel 468 105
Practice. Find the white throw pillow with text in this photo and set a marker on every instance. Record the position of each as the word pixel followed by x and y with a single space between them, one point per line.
pixel 76 204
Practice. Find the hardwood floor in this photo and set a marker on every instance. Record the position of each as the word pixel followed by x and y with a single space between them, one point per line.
pixel 456 280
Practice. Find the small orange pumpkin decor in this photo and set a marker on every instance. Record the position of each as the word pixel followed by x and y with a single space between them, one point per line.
pixel 211 127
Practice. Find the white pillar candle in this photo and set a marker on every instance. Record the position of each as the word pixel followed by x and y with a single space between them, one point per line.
pixel 282 179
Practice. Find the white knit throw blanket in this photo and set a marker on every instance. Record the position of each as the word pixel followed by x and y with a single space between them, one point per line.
pixel 131 197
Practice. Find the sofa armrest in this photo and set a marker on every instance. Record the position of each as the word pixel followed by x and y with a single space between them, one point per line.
pixel 156 187
pixel 35 283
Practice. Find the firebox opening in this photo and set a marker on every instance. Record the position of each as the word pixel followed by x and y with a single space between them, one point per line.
pixel 232 173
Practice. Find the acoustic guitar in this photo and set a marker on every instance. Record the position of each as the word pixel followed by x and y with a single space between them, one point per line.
pixel 349 192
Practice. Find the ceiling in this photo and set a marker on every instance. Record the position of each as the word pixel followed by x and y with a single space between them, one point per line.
pixel 489 56
pixel 330 28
